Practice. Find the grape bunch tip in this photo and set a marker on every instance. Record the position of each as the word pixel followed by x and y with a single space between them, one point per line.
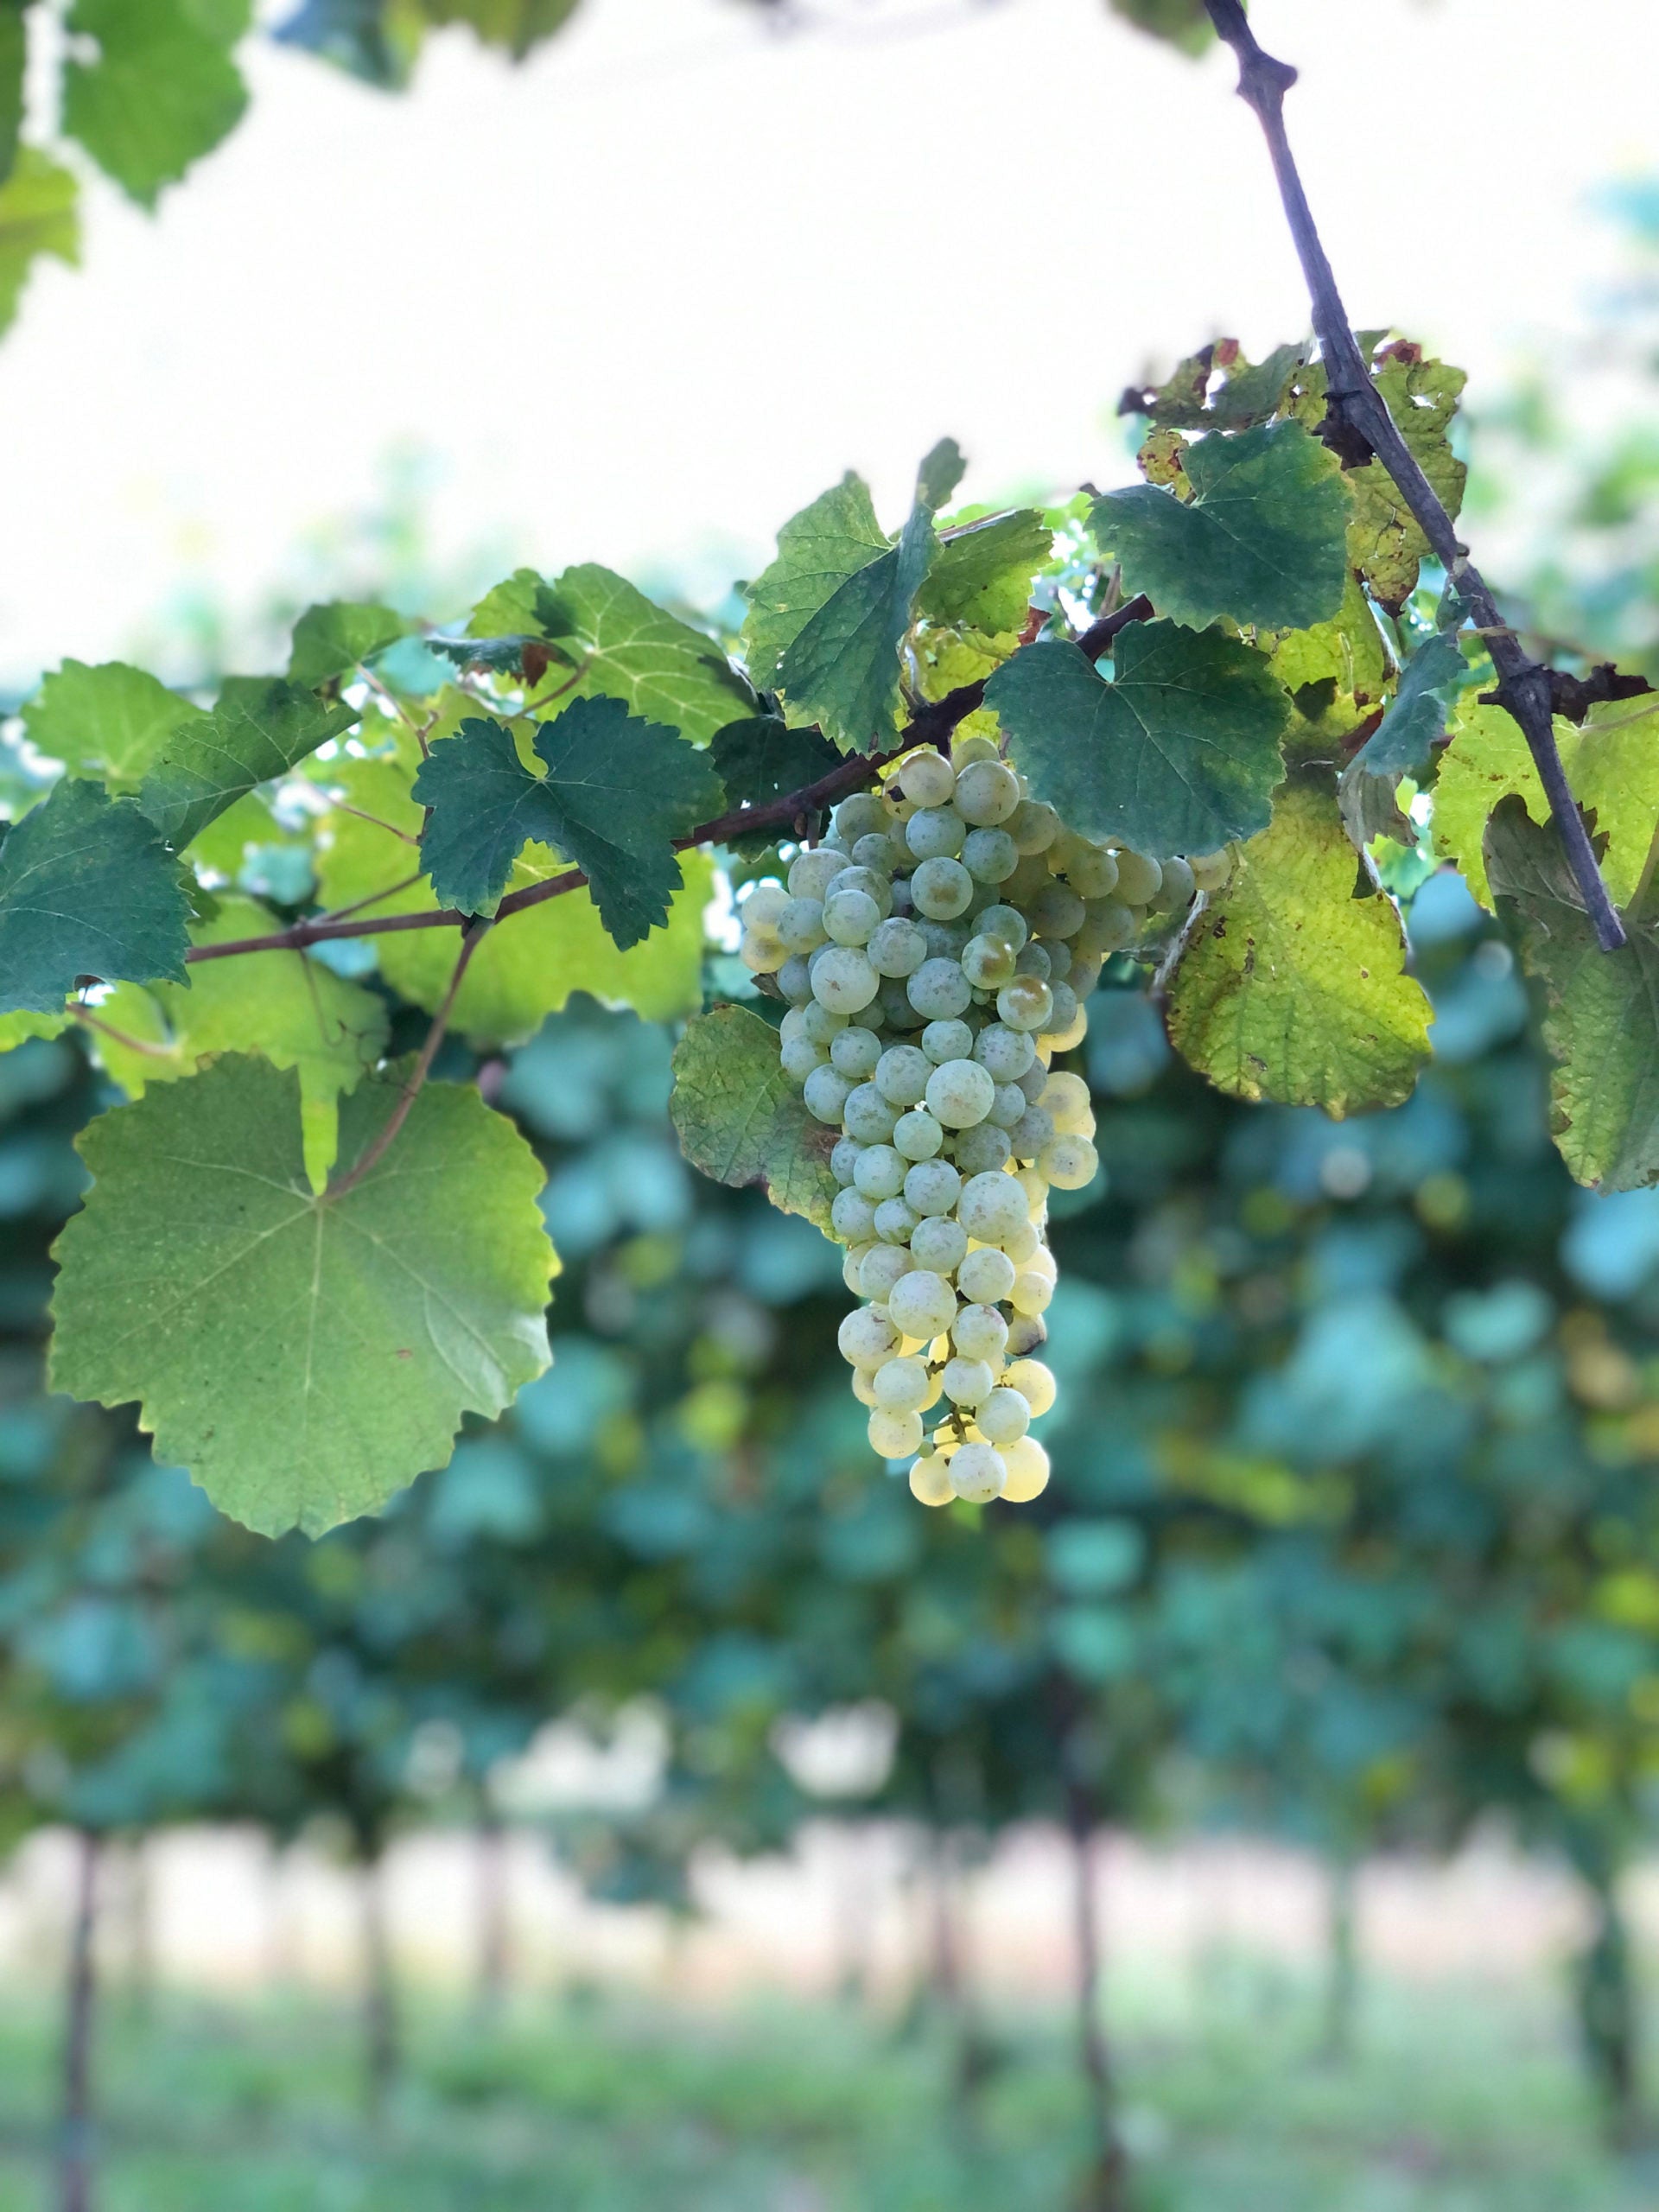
pixel 937 951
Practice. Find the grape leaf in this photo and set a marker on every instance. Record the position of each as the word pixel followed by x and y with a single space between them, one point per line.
pixel 261 727
pixel 817 550
pixel 1290 987
pixel 163 91
pixel 616 793
pixel 1184 23
pixel 1415 718
pixel 622 647
pixel 741 1120
pixel 517 25
pixel 526 968
pixel 292 1011
pixel 24 1028
pixel 1250 392
pixel 365 37
pixel 87 888
pixel 1337 673
pixel 982 573
pixel 304 1356
pixel 1598 1007
pixel 841 669
pixel 1263 539
pixel 37 216
pixel 108 721
pixel 336 636
pixel 14 56
pixel 764 759
pixel 1178 754
pixel 1384 541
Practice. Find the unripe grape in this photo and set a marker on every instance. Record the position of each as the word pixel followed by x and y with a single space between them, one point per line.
pixel 960 1093
pixel 762 907
pixel 983 1149
pixel 819 1024
pixel 937 1242
pixel 1107 927
pixel 988 963
pixel 1138 878
pixel 1057 912
pixel 901 1074
pixel 1068 1039
pixel 1004 1054
pixel 1026 1464
pixel 844 1160
pixel 1035 1384
pixel 1026 1333
pixel 1033 826
pixel 986 1275
pixel 852 1217
pixel 894 1221
pixel 1034 1079
pixel 1031 1292
pixel 990 855
pixel 926 777
pixel 978 1473
pixel 967 1380
pixel 1030 1132
pixel 879 1172
pixel 1026 1003
pixel 1033 960
pixel 855 1052
pixel 991 1207
pixel 938 990
pixel 1019 1243
pixel 1034 1185
pixel 1060 959
pixel 896 948
pixel 1174 894
pixel 980 1333
pixel 1211 870
pixel 1065 1098
pixel 850 917
pixel 811 873
pixel 857 814
pixel 1085 969
pixel 945 939
pixel 800 1056
pixel 1070 1162
pixel 917 1136
pixel 1008 1107
pixel 1093 873
pixel 969 746
pixel 852 1268
pixel 894 1435
pixel 871 882
pixel 935 833
pixel 844 979
pixel 878 1271
pixel 930 1481
pixel 901 1385
pixel 931 1186
pixel 897 1012
pixel 1003 1417
pixel 825 1093
pixel 868 1115
pixel 1063 1012
pixel 947 1041
pixel 1042 1262
pixel 800 926
pixel 865 1338
pixel 941 889
pixel 863 1387
pixel 1003 922
pixel 877 851
pixel 1028 880
pixel 762 952
pixel 986 792
pixel 922 1304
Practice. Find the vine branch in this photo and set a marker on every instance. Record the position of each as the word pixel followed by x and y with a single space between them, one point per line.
pixel 1524 684
pixel 931 723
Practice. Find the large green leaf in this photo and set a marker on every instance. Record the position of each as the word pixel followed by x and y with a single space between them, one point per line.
pixel 742 1119
pixel 1599 1025
pixel 261 727
pixel 338 635
pixel 112 721
pixel 304 1356
pixel 526 968
pixel 1263 539
pixel 617 792
pixel 292 1011
pixel 87 888
pixel 162 91
pixel 37 215
pixel 817 550
pixel 619 644
pixel 981 575
pixel 1290 987
pixel 1180 753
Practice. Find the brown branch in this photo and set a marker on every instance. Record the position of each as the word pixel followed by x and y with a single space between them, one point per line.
pixel 1359 408
pixel 472 938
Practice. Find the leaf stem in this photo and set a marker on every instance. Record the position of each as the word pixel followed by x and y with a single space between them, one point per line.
pixel 472 937
pixel 1360 409
pixel 141 1045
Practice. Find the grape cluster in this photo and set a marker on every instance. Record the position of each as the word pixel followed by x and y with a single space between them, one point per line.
pixel 937 950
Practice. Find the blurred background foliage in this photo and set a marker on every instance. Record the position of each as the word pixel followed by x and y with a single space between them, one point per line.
pixel 1351 1543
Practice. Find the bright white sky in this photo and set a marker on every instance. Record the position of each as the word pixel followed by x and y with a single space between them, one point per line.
pixel 646 295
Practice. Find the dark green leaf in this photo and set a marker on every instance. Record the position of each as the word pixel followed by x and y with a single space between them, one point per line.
pixel 981 575
pixel 764 759
pixel 369 39
pixel 498 656
pixel 817 550
pixel 741 1120
pixel 1180 753
pixel 1249 392
pixel 1263 540
pixel 338 635
pixel 163 91
pixel 87 888
pixel 618 791
pixel 261 727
